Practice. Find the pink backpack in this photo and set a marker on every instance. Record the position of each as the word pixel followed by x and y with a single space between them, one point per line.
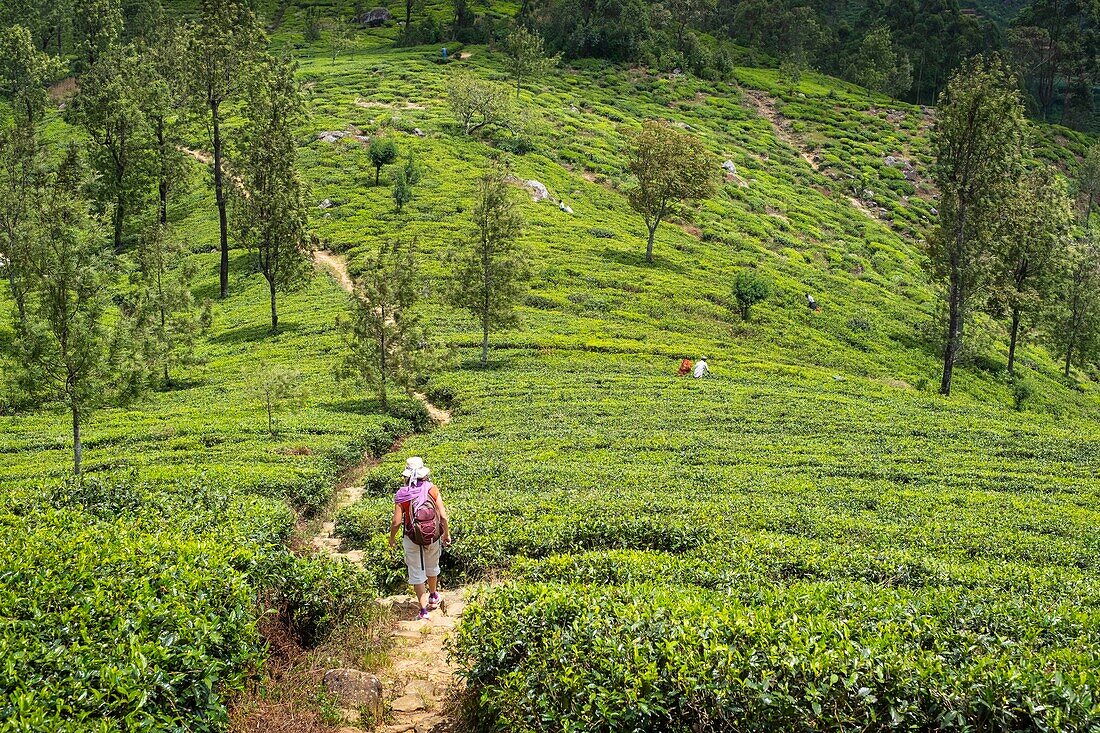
pixel 423 525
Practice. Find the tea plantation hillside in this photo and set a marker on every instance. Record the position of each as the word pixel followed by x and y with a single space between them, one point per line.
pixel 810 539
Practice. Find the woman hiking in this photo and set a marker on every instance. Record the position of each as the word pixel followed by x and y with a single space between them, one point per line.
pixel 418 509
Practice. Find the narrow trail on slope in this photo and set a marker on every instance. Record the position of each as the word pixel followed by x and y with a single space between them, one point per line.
pixel 421 681
pixel 764 104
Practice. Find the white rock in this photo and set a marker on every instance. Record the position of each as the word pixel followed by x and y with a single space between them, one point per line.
pixel 326 204
pixel 418 132
pixel 729 166
pixel 538 191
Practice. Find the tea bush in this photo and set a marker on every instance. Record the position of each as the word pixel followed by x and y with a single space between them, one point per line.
pixel 806 656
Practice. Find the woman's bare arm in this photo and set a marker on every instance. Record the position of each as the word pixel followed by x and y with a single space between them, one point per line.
pixel 395 523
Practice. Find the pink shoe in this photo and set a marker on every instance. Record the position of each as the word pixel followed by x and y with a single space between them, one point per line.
pixel 424 615
pixel 433 601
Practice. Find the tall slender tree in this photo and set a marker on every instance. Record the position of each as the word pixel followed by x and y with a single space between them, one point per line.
pixel 1088 183
pixel 527 58
pixel 488 274
pixel 109 108
pixel 64 341
pixel 164 55
pixel 384 337
pixel 24 73
pixel 167 315
pixel 977 143
pixel 268 206
pixel 1033 235
pixel 20 180
pixel 1075 316
pixel 98 26
pixel 224 45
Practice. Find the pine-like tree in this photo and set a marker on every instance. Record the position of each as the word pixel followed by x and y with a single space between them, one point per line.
pixel 269 210
pixel 488 274
pixel 224 47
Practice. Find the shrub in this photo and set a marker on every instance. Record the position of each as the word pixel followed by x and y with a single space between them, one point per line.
pixel 1023 390
pixel 750 288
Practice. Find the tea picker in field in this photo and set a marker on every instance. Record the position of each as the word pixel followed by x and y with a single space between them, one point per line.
pixel 811 303
pixel 701 369
pixel 685 367
pixel 418 510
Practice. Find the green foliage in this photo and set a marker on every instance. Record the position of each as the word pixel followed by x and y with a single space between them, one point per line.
pixel 488 275
pixel 24 73
pixel 479 104
pixel 383 151
pixel 671 169
pixel 879 66
pixel 384 339
pixel 402 189
pixel 165 314
pixel 807 655
pixel 750 288
pixel 1030 244
pixel 526 57
pixel 978 147
pixel 97 28
pixel 312 31
pixel 276 388
pixel 1075 313
pixel 269 210
pixel 110 109
pixel 64 338
pixel 1023 390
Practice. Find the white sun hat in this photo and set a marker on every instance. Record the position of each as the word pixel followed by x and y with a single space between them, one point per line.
pixel 415 468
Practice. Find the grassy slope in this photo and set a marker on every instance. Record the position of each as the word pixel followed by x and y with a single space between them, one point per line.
pixel 836 472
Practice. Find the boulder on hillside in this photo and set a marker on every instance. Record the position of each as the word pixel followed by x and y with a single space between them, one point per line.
pixel 331 136
pixel 538 190
pixel 729 167
pixel 356 688
pixel 374 17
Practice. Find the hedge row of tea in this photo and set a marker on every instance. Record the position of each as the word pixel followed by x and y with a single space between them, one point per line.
pixel 798 657
pixel 134 606
pixel 714 552
pixel 131 601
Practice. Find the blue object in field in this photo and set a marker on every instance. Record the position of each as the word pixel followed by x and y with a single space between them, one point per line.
pixel 444 52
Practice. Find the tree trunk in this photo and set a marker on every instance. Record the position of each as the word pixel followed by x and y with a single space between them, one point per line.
pixel 382 363
pixel 78 449
pixel 951 348
pixel 274 314
pixel 120 213
pixel 219 197
pixel 163 183
pixel 649 246
pixel 16 293
pixel 485 342
pixel 1069 354
pixel 377 173
pixel 1012 339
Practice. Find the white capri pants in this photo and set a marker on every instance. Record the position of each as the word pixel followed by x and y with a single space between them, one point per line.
pixel 422 562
